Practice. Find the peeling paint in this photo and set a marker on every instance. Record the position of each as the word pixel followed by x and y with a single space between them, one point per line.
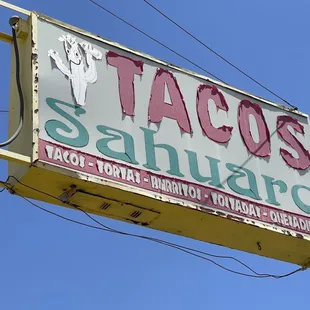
pixel 262 148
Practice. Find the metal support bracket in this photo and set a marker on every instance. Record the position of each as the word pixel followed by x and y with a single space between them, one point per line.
pixel 68 194
pixel 22 29
pixel 15 157
pixel 6 37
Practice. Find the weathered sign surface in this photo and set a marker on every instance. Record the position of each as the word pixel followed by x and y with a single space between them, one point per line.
pixel 118 118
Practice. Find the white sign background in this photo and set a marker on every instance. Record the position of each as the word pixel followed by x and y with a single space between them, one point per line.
pixel 103 108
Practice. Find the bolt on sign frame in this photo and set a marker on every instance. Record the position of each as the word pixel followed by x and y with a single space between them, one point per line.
pixel 123 135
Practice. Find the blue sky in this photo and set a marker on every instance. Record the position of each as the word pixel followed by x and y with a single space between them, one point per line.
pixel 46 263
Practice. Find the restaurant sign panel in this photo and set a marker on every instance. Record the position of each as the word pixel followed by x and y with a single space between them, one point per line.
pixel 116 117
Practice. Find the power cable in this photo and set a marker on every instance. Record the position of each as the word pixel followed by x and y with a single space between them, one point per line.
pixel 187 250
pixel 217 54
pixel 13 22
pixel 181 248
pixel 155 40
pixel 4 183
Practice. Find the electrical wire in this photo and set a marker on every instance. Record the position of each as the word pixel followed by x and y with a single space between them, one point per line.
pixel 155 40
pixel 13 23
pixel 184 249
pixel 4 183
pixel 4 111
pixel 107 228
pixel 181 248
pixel 217 54
pixel 187 250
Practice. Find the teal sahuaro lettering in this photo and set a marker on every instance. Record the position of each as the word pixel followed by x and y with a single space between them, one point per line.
pixel 241 180
pixel 53 127
pixel 270 183
pixel 240 172
pixel 113 135
pixel 214 179
pixel 150 147
pixel 295 194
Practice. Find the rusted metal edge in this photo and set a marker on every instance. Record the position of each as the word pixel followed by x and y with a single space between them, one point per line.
pixel 161 62
pixel 172 200
pixel 35 86
pixel 6 37
pixel 14 8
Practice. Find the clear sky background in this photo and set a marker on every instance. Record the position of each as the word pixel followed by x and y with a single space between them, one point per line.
pixel 47 263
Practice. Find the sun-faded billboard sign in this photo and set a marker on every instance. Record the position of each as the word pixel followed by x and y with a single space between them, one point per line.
pixel 109 114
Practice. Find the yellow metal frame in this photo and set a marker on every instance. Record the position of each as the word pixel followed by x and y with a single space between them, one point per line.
pixel 45 182
pixel 4 37
pixel 15 157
